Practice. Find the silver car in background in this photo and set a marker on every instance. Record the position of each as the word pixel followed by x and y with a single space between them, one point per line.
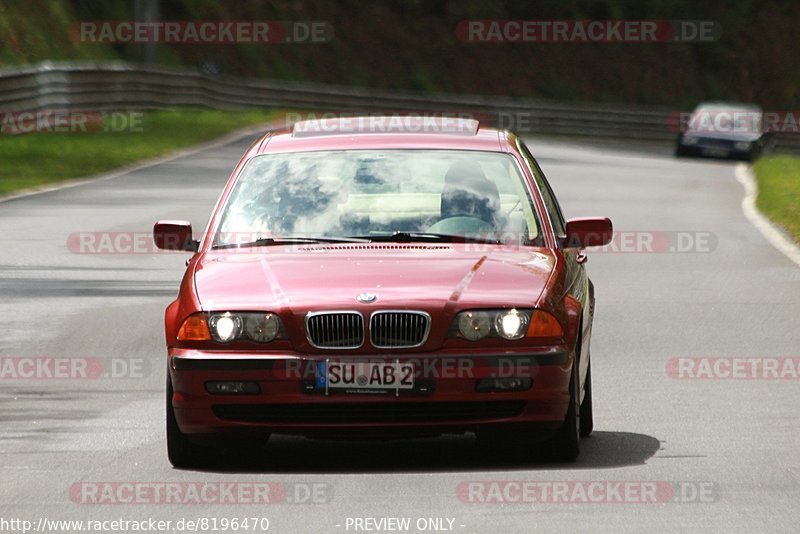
pixel 724 130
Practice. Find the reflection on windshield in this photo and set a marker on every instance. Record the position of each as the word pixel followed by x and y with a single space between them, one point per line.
pixel 378 193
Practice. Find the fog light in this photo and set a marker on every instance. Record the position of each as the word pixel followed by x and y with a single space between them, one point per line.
pixel 504 384
pixel 233 388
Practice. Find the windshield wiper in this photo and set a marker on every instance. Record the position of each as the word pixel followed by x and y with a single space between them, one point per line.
pixel 289 240
pixel 409 237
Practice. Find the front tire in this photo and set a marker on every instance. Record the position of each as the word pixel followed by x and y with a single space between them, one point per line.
pixel 566 443
pixel 587 416
pixel 181 451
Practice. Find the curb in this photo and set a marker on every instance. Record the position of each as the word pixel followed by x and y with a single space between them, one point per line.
pixel 772 233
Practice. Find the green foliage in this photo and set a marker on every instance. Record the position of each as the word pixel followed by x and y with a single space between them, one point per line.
pixel 778 180
pixel 36 159
pixel 412 44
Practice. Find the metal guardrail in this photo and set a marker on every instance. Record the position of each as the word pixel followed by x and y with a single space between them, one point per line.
pixel 116 85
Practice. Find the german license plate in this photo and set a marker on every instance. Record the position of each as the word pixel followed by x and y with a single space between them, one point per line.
pixel 716 152
pixel 365 375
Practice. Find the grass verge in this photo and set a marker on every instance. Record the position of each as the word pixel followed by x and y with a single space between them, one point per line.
pixel 99 145
pixel 778 179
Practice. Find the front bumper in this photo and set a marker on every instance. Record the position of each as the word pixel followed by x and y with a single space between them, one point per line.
pixel 445 397
pixel 712 148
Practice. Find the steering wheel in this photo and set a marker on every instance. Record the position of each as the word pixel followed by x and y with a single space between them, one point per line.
pixel 461 225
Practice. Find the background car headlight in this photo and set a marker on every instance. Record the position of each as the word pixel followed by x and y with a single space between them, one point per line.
pixel 742 145
pixel 261 327
pixel 225 327
pixel 689 140
pixel 475 325
pixel 511 324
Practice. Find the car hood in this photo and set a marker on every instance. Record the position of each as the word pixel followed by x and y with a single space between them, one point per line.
pixel 408 275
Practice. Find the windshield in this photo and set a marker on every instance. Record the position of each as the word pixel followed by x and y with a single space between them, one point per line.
pixel 373 194
pixel 719 118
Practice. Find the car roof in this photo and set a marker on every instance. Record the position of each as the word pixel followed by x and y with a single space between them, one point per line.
pixel 382 132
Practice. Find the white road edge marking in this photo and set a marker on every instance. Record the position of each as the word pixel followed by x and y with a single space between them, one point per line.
pixel 194 149
pixel 744 175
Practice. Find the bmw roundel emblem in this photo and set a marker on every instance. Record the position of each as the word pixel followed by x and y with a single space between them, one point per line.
pixel 367 297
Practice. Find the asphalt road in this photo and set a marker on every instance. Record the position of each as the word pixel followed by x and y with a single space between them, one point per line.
pixel 728 446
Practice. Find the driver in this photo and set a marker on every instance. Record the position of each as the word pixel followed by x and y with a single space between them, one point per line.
pixel 468 193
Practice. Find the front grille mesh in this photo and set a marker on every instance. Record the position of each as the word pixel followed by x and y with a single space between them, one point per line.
pixel 398 329
pixel 335 330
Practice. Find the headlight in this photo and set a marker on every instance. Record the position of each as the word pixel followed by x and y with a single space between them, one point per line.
pixel 261 327
pixel 475 325
pixel 689 140
pixel 225 327
pixel 742 145
pixel 511 324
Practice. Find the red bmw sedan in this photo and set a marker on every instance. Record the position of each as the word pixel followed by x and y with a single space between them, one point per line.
pixel 382 276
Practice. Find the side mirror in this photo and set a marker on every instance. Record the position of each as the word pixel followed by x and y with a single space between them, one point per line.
pixel 588 232
pixel 174 235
